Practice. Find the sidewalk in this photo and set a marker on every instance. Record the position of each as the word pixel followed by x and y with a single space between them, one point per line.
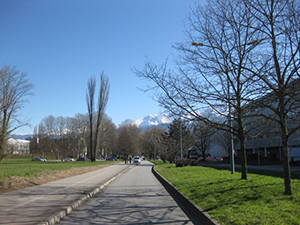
pixel 47 203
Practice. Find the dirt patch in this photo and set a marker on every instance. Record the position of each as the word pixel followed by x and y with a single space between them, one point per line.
pixel 16 183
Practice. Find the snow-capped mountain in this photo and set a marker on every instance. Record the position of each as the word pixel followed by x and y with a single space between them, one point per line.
pixel 21 136
pixel 153 120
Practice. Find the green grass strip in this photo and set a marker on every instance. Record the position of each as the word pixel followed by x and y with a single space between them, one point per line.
pixel 230 200
pixel 28 168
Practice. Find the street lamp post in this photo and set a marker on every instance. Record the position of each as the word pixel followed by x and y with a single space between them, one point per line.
pixel 232 168
pixel 180 139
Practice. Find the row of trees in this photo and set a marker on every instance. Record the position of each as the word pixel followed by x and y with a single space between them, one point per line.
pixel 70 136
pixel 237 52
pixel 62 137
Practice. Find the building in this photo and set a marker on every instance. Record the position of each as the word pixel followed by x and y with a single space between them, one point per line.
pixel 264 141
pixel 18 146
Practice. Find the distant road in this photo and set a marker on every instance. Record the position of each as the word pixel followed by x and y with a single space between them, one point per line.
pixel 136 197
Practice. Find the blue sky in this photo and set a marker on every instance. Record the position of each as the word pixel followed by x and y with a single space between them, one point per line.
pixel 62 43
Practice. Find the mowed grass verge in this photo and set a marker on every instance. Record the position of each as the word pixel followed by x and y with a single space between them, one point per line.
pixel 28 168
pixel 230 200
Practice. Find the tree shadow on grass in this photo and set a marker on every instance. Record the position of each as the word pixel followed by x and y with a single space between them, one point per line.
pixel 258 171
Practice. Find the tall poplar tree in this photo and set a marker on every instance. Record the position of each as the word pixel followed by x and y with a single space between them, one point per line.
pixel 96 117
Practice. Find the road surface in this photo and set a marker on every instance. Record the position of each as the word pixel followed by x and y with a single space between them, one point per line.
pixel 36 204
pixel 136 197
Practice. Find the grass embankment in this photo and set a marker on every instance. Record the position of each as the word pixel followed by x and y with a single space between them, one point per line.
pixel 20 173
pixel 230 200
pixel 28 168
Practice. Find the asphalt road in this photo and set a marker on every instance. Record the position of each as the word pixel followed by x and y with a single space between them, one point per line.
pixel 136 197
pixel 36 204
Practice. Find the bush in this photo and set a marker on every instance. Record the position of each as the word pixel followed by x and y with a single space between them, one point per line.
pixel 185 162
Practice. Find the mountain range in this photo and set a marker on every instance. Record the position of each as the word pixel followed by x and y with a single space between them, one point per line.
pixel 143 123
pixel 153 120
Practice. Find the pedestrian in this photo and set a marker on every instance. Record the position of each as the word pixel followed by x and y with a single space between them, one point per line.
pixel 125 159
pixel 130 159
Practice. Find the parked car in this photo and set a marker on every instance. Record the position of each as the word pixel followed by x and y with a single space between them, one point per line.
pixel 137 160
pixel 110 159
pixel 82 159
pixel 39 159
pixel 200 158
pixel 69 159
pixel 219 159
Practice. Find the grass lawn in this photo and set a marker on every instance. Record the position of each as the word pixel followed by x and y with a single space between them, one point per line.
pixel 230 200
pixel 28 168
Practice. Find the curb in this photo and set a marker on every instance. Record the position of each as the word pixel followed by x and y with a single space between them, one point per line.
pixel 67 210
pixel 199 213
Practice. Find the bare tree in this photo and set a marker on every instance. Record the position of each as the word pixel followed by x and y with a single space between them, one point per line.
pixel 34 142
pixel 151 142
pixel 223 138
pixel 135 133
pixel 80 127
pixel 278 25
pixel 101 106
pixel 203 133
pixel 62 145
pixel 107 138
pixel 124 142
pixel 48 133
pixel 90 104
pixel 210 74
pixel 14 88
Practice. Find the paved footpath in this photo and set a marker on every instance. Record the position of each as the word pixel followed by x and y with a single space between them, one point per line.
pixel 35 205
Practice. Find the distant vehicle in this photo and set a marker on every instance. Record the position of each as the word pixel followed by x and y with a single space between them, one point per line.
pixel 83 159
pixel 39 159
pixel 110 159
pixel 219 159
pixel 69 159
pixel 295 156
pixel 192 154
pixel 101 158
pixel 200 158
pixel 137 160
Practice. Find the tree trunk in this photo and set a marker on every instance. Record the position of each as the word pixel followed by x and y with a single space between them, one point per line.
pixel 3 137
pixel 286 161
pixel 241 136
pixel 243 157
